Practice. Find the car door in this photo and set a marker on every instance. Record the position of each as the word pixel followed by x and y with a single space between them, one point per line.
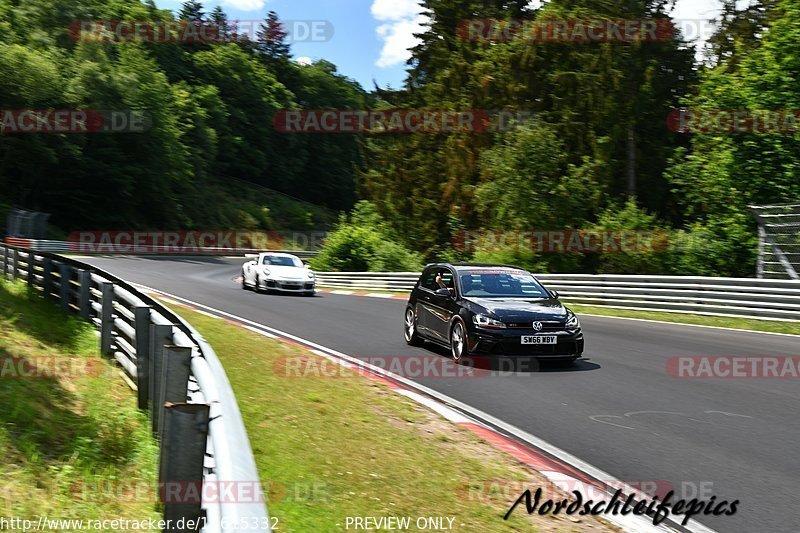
pixel 424 297
pixel 441 307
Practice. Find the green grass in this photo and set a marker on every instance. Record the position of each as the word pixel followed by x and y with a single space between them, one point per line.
pixel 68 441
pixel 684 318
pixel 328 448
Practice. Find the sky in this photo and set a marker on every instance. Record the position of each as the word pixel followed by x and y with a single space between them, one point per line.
pixel 368 39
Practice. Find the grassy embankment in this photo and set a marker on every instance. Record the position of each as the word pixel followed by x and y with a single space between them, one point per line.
pixel 71 436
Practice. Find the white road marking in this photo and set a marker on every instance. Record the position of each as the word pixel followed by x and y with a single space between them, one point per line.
pixel 597 417
pixel 689 325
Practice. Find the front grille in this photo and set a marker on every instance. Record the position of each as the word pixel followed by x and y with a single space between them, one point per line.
pixel 552 325
pixel 515 348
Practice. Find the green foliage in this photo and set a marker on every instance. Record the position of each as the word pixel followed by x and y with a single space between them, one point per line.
pixel 528 183
pixel 210 107
pixel 639 241
pixel 721 174
pixel 598 137
pixel 721 247
pixel 363 241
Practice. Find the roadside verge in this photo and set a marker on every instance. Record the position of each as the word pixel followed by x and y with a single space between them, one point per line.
pixel 332 445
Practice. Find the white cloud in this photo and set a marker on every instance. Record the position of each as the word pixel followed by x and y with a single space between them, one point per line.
pixel 304 60
pixel 244 5
pixel 402 19
pixel 394 9
pixel 692 18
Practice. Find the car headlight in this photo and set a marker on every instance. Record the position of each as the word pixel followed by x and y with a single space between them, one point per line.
pixel 483 321
pixel 265 272
pixel 310 275
pixel 572 320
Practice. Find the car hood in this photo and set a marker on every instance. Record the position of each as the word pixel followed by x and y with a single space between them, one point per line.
pixel 521 309
pixel 287 272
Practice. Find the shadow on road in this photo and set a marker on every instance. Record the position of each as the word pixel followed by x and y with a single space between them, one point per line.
pixel 516 364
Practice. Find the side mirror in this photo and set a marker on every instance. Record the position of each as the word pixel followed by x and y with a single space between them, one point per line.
pixel 554 293
pixel 442 292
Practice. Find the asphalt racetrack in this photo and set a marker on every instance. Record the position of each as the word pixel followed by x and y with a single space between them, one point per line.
pixel 618 409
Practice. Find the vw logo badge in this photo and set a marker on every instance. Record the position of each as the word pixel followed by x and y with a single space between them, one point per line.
pixel 537 326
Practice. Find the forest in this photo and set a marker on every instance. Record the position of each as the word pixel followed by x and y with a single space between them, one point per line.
pixel 595 147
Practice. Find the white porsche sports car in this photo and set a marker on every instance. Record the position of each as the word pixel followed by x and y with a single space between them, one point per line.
pixel 272 271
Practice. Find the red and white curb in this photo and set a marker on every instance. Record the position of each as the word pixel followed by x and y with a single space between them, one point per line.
pixel 556 465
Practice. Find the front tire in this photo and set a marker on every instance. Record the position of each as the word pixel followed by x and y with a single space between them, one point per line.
pixel 410 329
pixel 458 341
pixel 244 283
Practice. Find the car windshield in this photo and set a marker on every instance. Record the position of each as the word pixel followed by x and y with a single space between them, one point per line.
pixel 278 260
pixel 501 284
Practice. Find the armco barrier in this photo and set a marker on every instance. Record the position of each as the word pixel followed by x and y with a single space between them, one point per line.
pixel 764 299
pixel 65 247
pixel 179 378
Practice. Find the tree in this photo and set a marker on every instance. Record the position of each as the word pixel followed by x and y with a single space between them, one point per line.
pixel 219 19
pixel 192 10
pixel 272 38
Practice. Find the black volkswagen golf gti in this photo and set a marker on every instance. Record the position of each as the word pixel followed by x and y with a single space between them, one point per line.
pixel 491 310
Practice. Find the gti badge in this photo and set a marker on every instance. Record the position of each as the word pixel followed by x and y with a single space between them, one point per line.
pixel 537 326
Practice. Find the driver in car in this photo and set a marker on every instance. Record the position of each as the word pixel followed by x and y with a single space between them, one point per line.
pixel 441 283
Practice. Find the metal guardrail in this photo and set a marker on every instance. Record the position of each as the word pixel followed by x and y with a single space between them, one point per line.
pixel 67 247
pixel 764 299
pixel 179 379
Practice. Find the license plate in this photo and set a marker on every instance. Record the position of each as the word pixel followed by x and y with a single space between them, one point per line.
pixel 539 339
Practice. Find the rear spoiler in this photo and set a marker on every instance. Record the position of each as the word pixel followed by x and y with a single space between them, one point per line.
pixel 251 256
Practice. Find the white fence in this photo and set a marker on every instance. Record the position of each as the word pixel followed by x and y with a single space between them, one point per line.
pixel 738 297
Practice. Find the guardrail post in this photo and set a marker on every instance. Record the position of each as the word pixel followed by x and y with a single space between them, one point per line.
pixel 84 300
pixel 141 323
pixel 160 335
pixel 65 289
pixel 31 269
pixel 176 367
pixel 106 316
pixel 47 276
pixel 5 262
pixel 15 266
pixel 183 452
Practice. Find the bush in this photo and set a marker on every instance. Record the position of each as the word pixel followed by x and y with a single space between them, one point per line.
pixel 726 246
pixel 364 242
pixel 649 255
